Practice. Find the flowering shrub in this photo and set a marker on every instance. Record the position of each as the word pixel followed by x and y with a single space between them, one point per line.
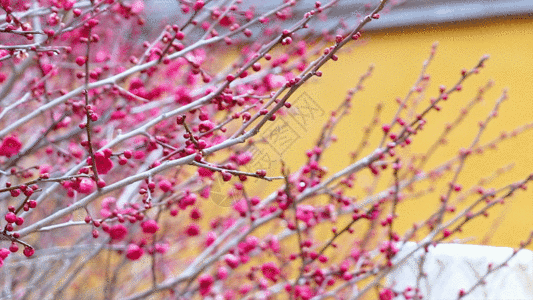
pixel 111 145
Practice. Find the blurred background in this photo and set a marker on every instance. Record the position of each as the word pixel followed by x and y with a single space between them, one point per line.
pixel 397 45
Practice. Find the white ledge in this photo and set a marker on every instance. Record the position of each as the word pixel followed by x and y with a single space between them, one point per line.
pixel 452 267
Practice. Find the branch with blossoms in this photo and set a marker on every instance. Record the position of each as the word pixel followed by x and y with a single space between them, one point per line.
pixel 117 148
pixel 491 268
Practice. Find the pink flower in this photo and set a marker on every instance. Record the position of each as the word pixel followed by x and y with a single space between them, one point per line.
pixel 274 81
pixel 193 230
pixel 301 48
pixel 103 163
pixel 108 202
pixel 205 281
pixel 271 271
pixel 210 238
pixel 150 226
pixel 196 214
pixel 386 294
pixel 118 232
pixel 86 186
pixel 231 260
pixel 28 252
pixel 4 253
pixel 249 244
pixel 162 248
pixel 183 96
pixel 274 245
pixel 389 248
pixel 244 258
pixel 104 212
pixel 134 252
pixel 136 83
pixel 10 146
pixel 222 273
pixel 204 172
pixel 165 185
pixel 67 5
pixel 205 192
pixel 188 200
pixel 227 21
pixel 75 150
pixel 244 158
pixel 101 56
pixel 139 155
pixel 47 68
pixel 241 206
pixel 45 169
pixel 245 288
pixel 305 213
pixel 303 291
pixel 198 56
pixel 229 295
pixel 137 7
pixel 172 69
pixel 117 115
pixel 11 217
pixel 206 126
pixel 80 60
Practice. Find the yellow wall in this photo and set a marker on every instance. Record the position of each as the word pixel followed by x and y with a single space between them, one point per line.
pixel 398 55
